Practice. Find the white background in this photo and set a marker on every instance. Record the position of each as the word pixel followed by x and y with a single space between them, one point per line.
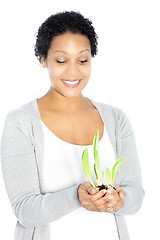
pixel 125 73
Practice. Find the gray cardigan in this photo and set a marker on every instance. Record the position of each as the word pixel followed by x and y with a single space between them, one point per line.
pixel 22 148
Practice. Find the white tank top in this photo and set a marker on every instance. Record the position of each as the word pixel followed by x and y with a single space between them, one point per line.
pixel 63 162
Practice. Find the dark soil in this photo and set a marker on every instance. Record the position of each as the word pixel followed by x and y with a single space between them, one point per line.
pixel 104 187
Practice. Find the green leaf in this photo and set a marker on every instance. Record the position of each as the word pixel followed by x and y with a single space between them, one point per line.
pixel 96 143
pixel 115 169
pixel 85 163
pixel 96 154
pixel 96 168
pixel 108 176
pixel 95 171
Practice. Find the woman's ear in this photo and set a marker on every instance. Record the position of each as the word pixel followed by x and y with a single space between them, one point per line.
pixel 44 62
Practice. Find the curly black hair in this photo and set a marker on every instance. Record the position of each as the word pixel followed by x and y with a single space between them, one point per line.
pixel 60 23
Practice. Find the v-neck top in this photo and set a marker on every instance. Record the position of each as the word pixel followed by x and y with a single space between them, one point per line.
pixel 62 168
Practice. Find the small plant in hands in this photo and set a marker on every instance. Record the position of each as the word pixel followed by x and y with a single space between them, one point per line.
pixel 110 175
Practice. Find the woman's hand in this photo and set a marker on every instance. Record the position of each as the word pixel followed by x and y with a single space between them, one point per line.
pixel 115 199
pixel 91 199
pixel 96 201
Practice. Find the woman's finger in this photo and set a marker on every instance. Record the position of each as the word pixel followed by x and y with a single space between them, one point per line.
pixel 121 192
pixel 116 199
pixel 97 195
pixel 92 190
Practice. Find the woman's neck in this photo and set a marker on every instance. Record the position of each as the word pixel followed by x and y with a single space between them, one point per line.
pixel 57 102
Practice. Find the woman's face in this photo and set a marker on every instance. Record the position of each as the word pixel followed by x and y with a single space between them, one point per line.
pixel 69 64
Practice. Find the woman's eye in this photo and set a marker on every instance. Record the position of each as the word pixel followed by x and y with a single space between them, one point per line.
pixel 60 61
pixel 83 61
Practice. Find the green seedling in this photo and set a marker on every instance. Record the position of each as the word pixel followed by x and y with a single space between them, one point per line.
pixel 115 169
pixel 97 158
pixel 110 175
pixel 85 163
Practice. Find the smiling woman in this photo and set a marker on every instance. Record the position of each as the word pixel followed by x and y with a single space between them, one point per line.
pixel 69 63
pixel 43 141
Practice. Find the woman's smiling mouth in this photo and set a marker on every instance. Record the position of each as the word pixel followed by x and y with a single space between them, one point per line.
pixel 71 83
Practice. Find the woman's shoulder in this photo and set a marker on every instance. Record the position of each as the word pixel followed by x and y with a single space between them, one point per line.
pixel 108 109
pixel 23 112
pixel 112 115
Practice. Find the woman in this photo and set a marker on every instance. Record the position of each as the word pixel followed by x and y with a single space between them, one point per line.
pixel 43 141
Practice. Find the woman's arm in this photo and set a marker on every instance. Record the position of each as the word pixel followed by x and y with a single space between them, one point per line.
pixel 129 176
pixel 21 179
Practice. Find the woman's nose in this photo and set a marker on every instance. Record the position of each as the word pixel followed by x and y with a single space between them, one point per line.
pixel 72 69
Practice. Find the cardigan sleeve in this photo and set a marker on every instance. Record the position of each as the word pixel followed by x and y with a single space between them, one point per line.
pixel 129 176
pixel 21 180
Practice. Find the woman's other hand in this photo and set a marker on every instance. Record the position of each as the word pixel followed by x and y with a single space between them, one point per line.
pixel 114 199
pixel 91 199
pixel 96 201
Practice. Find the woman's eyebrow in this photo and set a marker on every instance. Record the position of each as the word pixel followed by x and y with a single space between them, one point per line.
pixel 67 53
pixel 84 50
